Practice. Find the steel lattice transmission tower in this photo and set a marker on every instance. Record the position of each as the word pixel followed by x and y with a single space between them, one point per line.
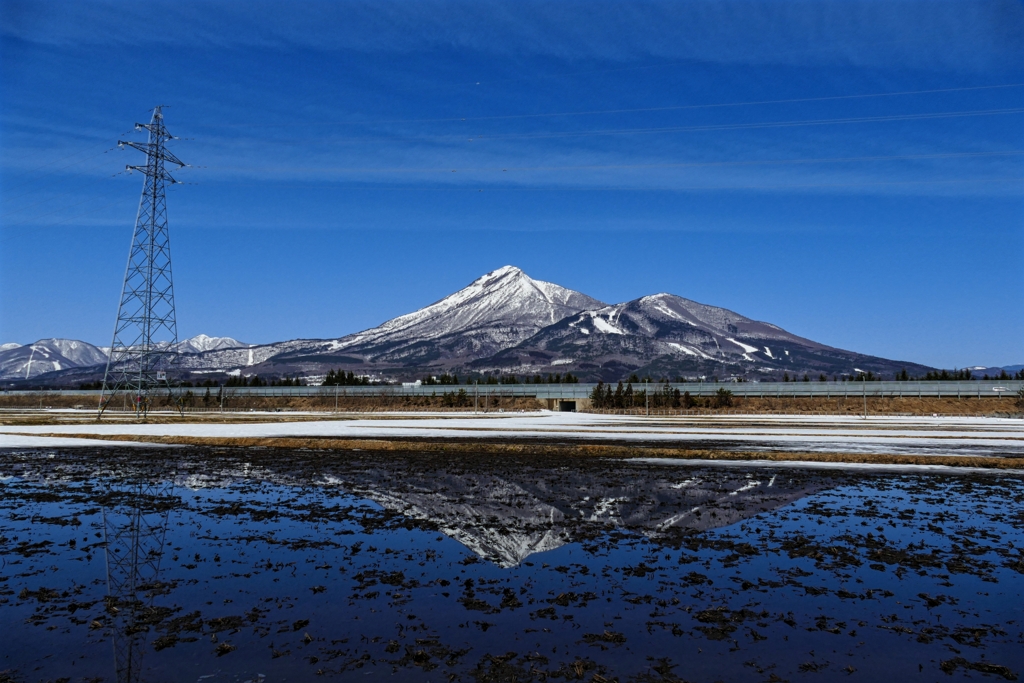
pixel 144 347
pixel 135 527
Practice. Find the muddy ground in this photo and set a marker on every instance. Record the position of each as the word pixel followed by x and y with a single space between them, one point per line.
pixel 273 564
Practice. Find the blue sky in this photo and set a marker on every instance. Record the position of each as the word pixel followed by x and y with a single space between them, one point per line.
pixel 851 171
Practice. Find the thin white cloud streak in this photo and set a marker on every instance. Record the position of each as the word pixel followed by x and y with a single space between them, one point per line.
pixel 908 34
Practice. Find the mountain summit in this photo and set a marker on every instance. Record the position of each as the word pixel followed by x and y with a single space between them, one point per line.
pixel 506 297
pixel 494 312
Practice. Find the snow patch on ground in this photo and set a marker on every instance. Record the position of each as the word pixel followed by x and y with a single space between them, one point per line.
pixel 19 441
pixel 999 437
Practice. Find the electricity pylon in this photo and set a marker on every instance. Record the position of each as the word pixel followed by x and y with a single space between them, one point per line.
pixel 145 341
pixel 134 526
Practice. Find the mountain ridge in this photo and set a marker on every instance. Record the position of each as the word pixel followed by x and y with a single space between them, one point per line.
pixel 505 322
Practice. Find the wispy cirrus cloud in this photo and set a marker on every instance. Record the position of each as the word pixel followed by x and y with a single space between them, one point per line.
pixel 907 33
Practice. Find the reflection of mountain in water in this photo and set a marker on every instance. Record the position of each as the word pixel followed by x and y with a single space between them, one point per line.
pixel 509 516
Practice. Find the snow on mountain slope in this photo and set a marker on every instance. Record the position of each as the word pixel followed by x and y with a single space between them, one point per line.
pixel 53 355
pixel 201 343
pixel 47 355
pixel 494 312
pixel 78 352
pixel 638 331
pixel 10 345
pixel 506 297
pixel 667 335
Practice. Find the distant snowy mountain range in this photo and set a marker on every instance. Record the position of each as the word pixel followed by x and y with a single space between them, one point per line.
pixel 46 356
pixel 503 322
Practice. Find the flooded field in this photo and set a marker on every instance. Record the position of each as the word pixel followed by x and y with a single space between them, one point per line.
pixel 176 564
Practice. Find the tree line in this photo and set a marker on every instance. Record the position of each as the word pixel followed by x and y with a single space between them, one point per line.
pixel 342 379
pixel 555 378
pixel 662 395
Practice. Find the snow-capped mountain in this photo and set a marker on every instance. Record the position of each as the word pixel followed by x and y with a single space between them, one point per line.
pixel 494 312
pixel 201 343
pixel 47 355
pixel 508 322
pixel 668 336
pixel 56 355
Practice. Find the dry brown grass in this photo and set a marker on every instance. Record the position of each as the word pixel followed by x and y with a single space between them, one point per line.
pixel 269 403
pixel 854 405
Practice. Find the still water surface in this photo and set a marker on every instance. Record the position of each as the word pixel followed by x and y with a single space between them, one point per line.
pixel 232 565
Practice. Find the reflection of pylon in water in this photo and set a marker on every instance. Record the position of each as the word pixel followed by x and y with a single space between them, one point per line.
pixel 144 347
pixel 134 525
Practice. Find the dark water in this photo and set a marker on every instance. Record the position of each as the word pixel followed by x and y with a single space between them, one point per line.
pixel 271 565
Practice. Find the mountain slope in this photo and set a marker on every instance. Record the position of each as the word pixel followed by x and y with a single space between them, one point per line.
pixel 201 343
pixel 48 355
pixel 667 335
pixel 57 355
pixel 494 312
